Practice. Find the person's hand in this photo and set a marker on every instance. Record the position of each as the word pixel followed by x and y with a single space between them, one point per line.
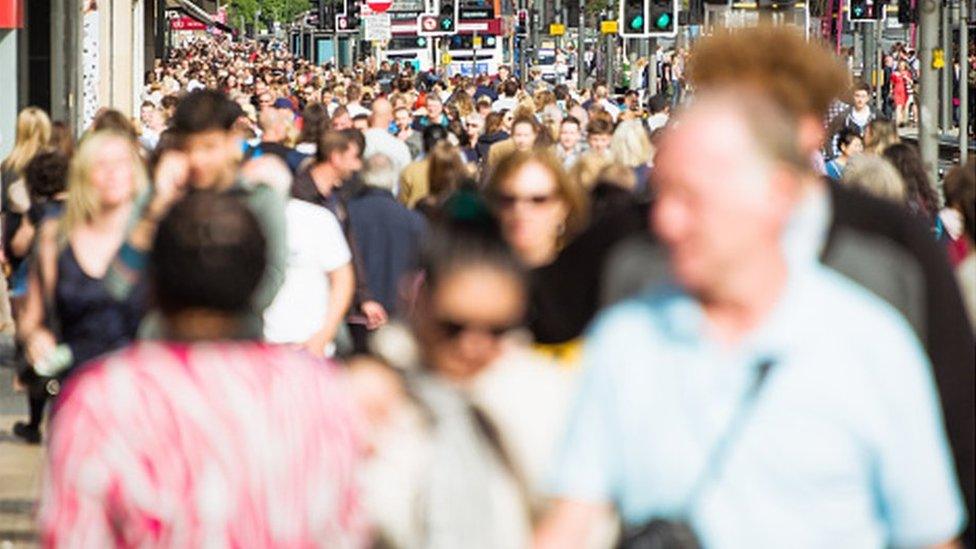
pixel 39 346
pixel 317 344
pixel 170 182
pixel 375 314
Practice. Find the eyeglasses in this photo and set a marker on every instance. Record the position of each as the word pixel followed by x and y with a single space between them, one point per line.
pixel 453 329
pixel 506 201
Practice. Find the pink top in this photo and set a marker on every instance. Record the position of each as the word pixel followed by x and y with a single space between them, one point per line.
pixel 203 445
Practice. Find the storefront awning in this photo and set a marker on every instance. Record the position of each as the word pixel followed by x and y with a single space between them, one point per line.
pixel 196 12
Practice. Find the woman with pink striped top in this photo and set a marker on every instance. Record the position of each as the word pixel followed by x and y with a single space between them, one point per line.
pixel 208 440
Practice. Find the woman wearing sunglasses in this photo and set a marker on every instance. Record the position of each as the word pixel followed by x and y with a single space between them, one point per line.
pixel 459 440
pixel 541 211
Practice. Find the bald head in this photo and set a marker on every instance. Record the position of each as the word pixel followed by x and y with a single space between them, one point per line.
pixel 274 125
pixel 382 113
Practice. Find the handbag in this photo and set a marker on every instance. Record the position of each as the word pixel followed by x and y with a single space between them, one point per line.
pixel 677 533
pixel 38 385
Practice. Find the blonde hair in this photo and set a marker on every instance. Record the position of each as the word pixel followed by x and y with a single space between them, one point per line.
pixel 82 205
pixel 630 145
pixel 587 169
pixel 879 135
pixel 33 134
pixel 875 175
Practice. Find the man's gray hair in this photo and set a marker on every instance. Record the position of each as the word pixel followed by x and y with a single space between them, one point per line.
pixel 379 172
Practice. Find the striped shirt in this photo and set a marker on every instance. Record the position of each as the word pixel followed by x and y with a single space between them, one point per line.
pixel 203 445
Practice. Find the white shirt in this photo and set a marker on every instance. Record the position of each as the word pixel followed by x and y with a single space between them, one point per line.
pixel 503 103
pixel 355 109
pixel 379 140
pixel 610 108
pixel 316 246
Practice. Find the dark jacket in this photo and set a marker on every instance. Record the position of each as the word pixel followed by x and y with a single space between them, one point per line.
pixel 486 141
pixel 947 335
pixel 388 236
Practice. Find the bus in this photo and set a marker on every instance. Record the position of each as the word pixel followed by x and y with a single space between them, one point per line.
pixel 472 55
pixel 409 49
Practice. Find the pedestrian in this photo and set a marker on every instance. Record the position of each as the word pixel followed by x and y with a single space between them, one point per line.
pixel 388 234
pixel 849 142
pixel 472 298
pixel 69 316
pixel 209 437
pixel 207 159
pixel 913 276
pixel 730 369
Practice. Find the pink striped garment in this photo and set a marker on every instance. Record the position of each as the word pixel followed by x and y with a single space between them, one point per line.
pixel 203 445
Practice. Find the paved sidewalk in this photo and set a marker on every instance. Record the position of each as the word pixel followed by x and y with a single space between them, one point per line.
pixel 20 472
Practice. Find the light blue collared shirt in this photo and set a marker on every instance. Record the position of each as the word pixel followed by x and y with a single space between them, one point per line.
pixel 843 448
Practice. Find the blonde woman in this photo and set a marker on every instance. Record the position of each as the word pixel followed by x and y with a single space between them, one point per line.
pixel 631 147
pixel 33 135
pixel 69 317
pixel 880 134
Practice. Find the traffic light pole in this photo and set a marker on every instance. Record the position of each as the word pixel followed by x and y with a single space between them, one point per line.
pixel 581 47
pixel 928 127
pixel 879 63
pixel 946 71
pixel 963 79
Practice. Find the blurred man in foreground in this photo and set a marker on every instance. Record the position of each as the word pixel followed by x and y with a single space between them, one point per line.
pixel 757 402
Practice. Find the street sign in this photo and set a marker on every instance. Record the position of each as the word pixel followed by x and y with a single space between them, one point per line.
pixel 608 27
pixel 379 6
pixel 557 29
pixel 476 41
pixel 378 26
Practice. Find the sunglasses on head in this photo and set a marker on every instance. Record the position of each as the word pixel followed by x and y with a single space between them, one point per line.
pixel 505 200
pixel 453 329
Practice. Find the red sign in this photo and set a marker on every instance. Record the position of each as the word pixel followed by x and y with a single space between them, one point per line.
pixel 379 6
pixel 11 14
pixel 186 23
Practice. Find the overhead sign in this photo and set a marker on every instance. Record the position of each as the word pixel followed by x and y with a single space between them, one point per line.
pixel 557 29
pixel 378 26
pixel 11 14
pixel 186 23
pixel 608 27
pixel 379 6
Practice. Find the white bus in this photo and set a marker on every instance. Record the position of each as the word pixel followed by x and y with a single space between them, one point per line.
pixel 470 59
pixel 409 49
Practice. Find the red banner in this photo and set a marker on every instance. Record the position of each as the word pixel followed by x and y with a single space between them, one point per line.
pixel 185 23
pixel 11 14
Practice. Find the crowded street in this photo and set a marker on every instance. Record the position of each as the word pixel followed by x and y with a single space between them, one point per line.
pixel 487 274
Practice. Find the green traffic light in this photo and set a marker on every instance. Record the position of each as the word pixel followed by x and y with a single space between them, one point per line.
pixel 663 21
pixel 637 23
pixel 447 23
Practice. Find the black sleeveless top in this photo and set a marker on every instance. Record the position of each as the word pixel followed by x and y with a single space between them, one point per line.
pixel 91 321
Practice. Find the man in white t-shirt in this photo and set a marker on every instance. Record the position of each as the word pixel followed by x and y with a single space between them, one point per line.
pixel 319 281
pixel 380 140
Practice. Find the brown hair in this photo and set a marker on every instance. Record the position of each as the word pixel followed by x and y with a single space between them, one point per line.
pixel 574 196
pixel 446 171
pixel 802 77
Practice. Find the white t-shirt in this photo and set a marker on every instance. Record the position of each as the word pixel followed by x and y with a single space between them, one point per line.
pixel 355 109
pixel 316 246
pixel 381 141
pixel 503 103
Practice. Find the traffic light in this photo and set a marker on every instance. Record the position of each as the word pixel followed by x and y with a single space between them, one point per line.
pixel 878 10
pixel 662 17
pixel 633 17
pixel 522 22
pixel 447 16
pixel 326 15
pixel 353 12
pixel 906 12
pixel 859 10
